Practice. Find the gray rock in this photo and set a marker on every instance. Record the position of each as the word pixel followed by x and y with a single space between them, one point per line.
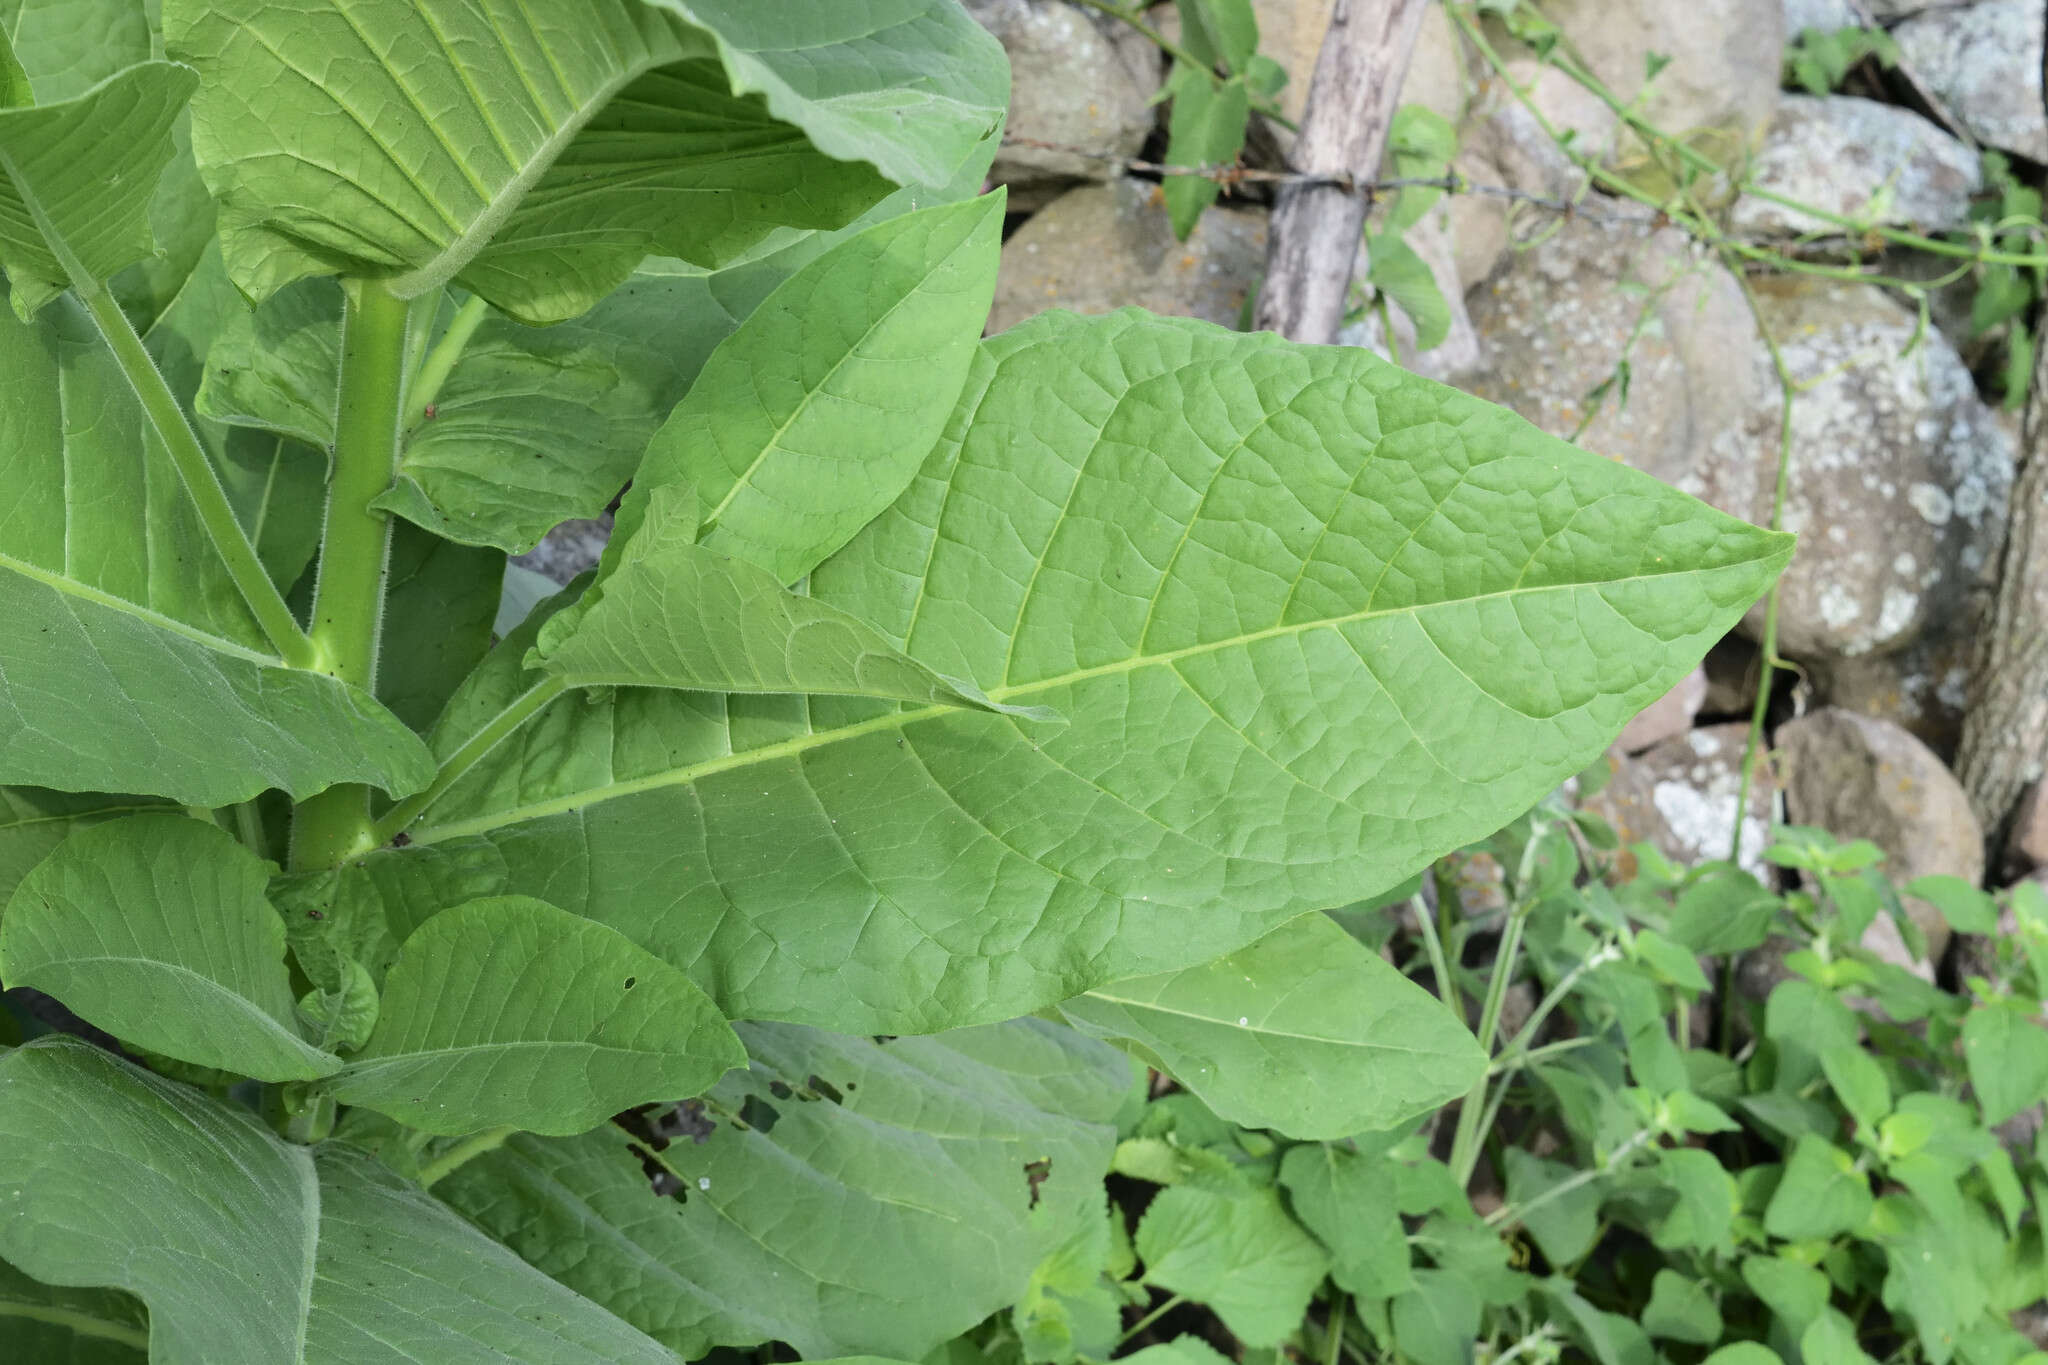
pixel 1558 320
pixel 569 549
pixel 1103 247
pixel 1680 795
pixel 1668 717
pixel 1984 61
pixel 1900 472
pixel 1459 354
pixel 1922 688
pixel 1076 80
pixel 1826 15
pixel 1860 160
pixel 1862 778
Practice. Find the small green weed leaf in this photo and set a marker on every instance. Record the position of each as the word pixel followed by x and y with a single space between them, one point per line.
pixel 1070 1308
pixel 1685 1112
pixel 1436 1322
pixel 509 1011
pixel 1830 1339
pixel 1221 32
pixel 1307 1032
pixel 1821 1195
pixel 1421 143
pixel 130 662
pixel 1807 1023
pixel 1241 1255
pixel 556 150
pixel 817 411
pixel 1165 1162
pixel 1182 1350
pixel 1859 1084
pixel 1398 271
pixel 341 1019
pixel 1796 1293
pixel 42 1322
pixel 891 1194
pixel 681 615
pixel 155 928
pixel 1564 1225
pixel 1967 909
pixel 1706 1199
pixel 2007 1052
pixel 1725 911
pixel 1681 1309
pixel 1672 963
pixel 1346 1199
pixel 1206 127
pixel 249 1249
pixel 1107 485
pixel 1744 1353
pixel 68 220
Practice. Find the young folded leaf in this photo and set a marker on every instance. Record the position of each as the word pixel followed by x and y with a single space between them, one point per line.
pixel 1313 622
pixel 680 615
pixel 602 118
pixel 155 928
pixel 246 1248
pixel 509 1011
pixel 1307 1031
pixel 816 412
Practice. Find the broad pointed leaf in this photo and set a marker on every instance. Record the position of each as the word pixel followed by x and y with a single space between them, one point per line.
pixel 1242 1255
pixel 1347 1198
pixel 70 218
pixel 1313 621
pixel 34 820
pixel 156 929
pixel 248 1249
pixel 811 417
pixel 1307 1031
pixel 510 1011
pixel 535 159
pixel 130 662
pixel 854 1195
pixel 681 615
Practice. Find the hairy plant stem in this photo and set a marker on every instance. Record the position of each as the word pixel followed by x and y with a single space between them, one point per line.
pixel 433 372
pixel 462 1153
pixel 195 470
pixel 348 604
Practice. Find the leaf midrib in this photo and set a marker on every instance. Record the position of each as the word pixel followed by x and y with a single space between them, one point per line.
pixel 240 1005
pixel 1261 1029
pixel 71 587
pixel 427 833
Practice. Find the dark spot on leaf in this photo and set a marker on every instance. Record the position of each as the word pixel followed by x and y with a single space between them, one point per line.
pixel 779 1090
pixel 400 839
pixel 636 1121
pixel 1036 1173
pixel 660 1179
pixel 314 914
pixel 631 982
pixel 758 1113
pixel 881 1038
pixel 823 1088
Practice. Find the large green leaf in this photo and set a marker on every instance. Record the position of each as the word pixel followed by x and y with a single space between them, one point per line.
pixel 156 929
pixel 1307 1031
pixel 1313 622
pixel 49 1325
pixel 130 662
pixel 34 820
pixel 509 1011
pixel 540 154
pixel 1242 1255
pixel 676 614
pixel 813 415
pixel 65 217
pixel 870 1196
pixel 248 1249
pixel 66 47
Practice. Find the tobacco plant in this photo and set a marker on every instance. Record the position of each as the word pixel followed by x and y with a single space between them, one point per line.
pixel 726 954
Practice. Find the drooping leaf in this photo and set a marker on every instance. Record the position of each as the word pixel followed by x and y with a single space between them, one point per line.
pixel 509 1011
pixel 70 219
pixel 1307 1031
pixel 817 411
pixel 130 662
pixel 1399 271
pixel 1241 1255
pixel 562 147
pixel 2007 1053
pixel 155 928
pixel 248 1249
pixel 854 1196
pixel 681 615
pixel 1272 589
pixel 44 1323
pixel 1205 129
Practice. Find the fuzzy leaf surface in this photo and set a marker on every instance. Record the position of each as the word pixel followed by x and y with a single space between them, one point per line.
pixel 1314 622
pixel 156 929
pixel 876 1199
pixel 509 1011
pixel 1307 1031
pixel 249 1249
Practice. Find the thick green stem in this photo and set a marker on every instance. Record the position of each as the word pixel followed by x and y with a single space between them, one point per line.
pixel 348 604
pixel 1471 1130
pixel 462 1153
pixel 209 499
